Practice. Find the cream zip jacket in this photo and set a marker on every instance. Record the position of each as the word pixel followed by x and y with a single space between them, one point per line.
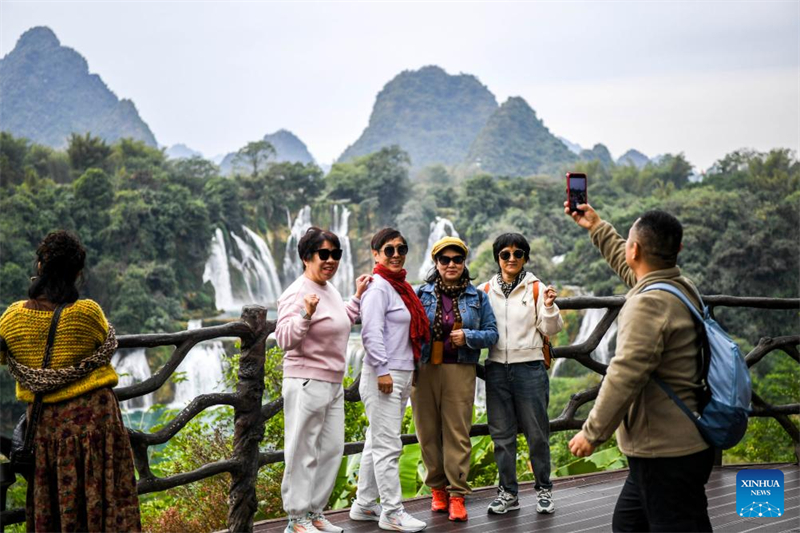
pixel 521 323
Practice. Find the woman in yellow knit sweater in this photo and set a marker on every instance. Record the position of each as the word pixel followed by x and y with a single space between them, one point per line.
pixel 84 477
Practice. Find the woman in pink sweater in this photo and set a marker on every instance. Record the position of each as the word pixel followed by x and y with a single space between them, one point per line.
pixel 313 327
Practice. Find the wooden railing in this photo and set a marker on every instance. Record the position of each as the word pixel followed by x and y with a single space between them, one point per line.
pixel 250 415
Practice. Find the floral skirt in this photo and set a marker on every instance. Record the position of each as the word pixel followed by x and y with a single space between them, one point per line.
pixel 84 478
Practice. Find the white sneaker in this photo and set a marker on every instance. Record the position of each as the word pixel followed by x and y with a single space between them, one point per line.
pixel 323 524
pixel 300 525
pixel 544 502
pixel 363 512
pixel 400 521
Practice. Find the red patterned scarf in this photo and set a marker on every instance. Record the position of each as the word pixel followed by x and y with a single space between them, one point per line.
pixel 420 330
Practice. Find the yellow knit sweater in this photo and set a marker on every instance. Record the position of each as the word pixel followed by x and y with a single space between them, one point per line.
pixel 81 329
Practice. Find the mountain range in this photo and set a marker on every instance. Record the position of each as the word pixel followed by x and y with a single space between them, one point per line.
pixel 49 93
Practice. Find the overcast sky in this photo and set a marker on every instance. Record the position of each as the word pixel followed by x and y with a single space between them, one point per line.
pixel 703 78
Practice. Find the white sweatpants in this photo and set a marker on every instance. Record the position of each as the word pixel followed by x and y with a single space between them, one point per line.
pixel 379 474
pixel 313 443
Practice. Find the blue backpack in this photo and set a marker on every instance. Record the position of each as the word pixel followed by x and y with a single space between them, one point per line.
pixel 723 420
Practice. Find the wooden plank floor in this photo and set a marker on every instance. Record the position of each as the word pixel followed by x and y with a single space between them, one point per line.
pixel 584 504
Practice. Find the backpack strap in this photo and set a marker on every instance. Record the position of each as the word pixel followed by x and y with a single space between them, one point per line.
pixel 486 287
pixel 680 295
pixel 705 351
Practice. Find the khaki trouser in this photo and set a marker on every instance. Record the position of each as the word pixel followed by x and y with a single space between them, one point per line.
pixel 442 401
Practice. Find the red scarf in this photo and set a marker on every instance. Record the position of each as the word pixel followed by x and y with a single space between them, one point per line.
pixel 420 330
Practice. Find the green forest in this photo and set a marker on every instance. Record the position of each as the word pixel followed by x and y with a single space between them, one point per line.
pixel 147 223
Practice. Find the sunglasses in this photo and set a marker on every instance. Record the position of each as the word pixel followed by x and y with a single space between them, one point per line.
pixel 505 255
pixel 401 250
pixel 444 260
pixel 325 254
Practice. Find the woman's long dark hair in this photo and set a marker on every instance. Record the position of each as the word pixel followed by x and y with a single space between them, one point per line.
pixel 60 258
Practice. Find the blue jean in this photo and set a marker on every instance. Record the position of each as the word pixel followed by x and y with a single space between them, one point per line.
pixel 517 396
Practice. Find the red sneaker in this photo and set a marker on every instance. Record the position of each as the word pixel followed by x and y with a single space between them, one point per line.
pixel 458 513
pixel 439 501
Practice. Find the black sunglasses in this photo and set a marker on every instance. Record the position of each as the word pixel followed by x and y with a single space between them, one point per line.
pixel 401 250
pixel 444 260
pixel 325 254
pixel 505 255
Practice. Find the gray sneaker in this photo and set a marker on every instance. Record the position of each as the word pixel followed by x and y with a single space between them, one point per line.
pixel 544 502
pixel 504 502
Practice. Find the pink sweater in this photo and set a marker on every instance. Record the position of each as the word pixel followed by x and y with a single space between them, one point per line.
pixel 315 348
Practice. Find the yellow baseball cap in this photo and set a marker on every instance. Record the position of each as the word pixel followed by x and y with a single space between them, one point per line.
pixel 446 242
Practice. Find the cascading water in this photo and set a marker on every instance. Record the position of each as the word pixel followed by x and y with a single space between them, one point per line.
pixel 354 357
pixel 132 367
pixel 344 280
pixel 246 275
pixel 292 265
pixel 218 273
pixel 440 227
pixel 202 370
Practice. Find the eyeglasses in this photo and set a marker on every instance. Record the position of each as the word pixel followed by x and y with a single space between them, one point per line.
pixel 444 260
pixel 505 255
pixel 401 250
pixel 325 254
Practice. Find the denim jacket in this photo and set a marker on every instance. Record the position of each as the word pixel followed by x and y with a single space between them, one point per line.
pixel 477 318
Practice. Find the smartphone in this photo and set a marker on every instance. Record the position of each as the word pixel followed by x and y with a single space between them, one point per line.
pixel 576 191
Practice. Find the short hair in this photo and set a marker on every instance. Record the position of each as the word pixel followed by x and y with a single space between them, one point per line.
pixel 312 240
pixel 659 234
pixel 510 239
pixel 60 258
pixel 385 235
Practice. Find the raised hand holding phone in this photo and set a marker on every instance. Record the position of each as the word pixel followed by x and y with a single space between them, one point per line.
pixel 577 191
pixel 587 217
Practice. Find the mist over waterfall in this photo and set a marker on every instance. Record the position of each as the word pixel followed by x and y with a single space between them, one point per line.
pixel 203 370
pixel 344 280
pixel 440 227
pixel 242 270
pixel 292 265
pixel 131 366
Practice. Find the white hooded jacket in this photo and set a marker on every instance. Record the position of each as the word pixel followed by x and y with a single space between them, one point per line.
pixel 521 323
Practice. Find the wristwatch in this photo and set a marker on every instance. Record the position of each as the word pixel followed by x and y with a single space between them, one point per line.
pixel 306 316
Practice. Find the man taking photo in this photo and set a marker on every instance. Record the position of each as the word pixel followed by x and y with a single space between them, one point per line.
pixel 669 461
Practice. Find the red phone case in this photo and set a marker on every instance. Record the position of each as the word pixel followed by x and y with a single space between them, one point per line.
pixel 586 192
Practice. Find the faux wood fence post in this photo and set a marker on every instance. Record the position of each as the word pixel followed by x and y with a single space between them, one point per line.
pixel 249 422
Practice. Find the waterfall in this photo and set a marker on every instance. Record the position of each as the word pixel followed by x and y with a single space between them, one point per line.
pixel 344 280
pixel 440 227
pixel 202 368
pixel 602 353
pixel 245 274
pixel 292 264
pixel 354 356
pixel 132 367
pixel 218 273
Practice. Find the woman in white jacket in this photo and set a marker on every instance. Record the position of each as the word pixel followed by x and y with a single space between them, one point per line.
pixel 517 384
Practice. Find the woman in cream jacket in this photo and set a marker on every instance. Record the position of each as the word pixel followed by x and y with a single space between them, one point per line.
pixel 517 384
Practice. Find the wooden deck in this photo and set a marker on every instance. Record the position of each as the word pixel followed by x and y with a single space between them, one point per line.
pixel 585 504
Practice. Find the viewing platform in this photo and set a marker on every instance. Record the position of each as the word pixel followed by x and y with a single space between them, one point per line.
pixel 584 504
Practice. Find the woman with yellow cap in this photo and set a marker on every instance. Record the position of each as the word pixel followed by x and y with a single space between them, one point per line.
pixel 462 322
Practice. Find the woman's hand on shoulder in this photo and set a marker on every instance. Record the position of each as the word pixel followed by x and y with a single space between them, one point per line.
pixel 361 284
